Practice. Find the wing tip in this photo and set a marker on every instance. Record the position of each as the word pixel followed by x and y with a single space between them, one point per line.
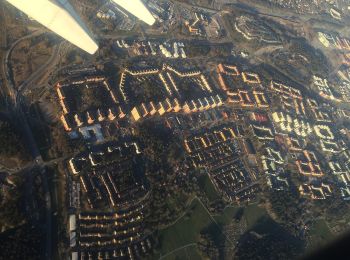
pixel 150 21
pixel 93 49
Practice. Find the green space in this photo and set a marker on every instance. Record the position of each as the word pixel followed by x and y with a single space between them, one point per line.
pixel 22 242
pixel 10 142
pixel 253 213
pixel 226 217
pixel 189 252
pixel 207 186
pixel 56 224
pixel 11 205
pixel 185 232
pixel 178 241
pixel 267 239
pixel 319 234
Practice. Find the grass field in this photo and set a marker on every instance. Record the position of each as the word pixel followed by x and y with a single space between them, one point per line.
pixel 320 234
pixel 188 252
pixel 253 213
pixel 207 186
pixel 179 240
pixel 185 231
pixel 227 215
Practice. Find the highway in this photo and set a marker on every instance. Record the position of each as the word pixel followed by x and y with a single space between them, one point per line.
pixel 5 66
pixel 43 68
pixel 15 107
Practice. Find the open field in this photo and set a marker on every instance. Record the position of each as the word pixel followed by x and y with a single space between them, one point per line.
pixel 184 232
pixel 320 234
pixel 179 240
pixel 188 252
pixel 253 213
pixel 207 186
pixel 226 217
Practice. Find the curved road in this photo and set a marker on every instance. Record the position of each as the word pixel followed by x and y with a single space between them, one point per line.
pixel 5 67
pixel 43 68
pixel 18 114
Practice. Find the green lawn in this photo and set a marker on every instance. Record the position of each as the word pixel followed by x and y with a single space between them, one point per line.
pixel 253 213
pixel 187 253
pixel 207 186
pixel 185 232
pixel 320 234
pixel 227 215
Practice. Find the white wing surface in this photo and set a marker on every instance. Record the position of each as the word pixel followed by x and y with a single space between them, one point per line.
pixel 137 8
pixel 59 17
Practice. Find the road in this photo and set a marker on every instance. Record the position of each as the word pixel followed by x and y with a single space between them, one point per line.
pixel 16 108
pixel 194 244
pixel 178 249
pixel 3 41
pixel 17 105
pixel 6 69
pixel 43 69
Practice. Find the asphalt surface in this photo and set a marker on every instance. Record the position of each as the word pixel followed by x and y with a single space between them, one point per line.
pixel 15 107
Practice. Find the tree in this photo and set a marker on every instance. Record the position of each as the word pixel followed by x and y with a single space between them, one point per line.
pixel 10 143
pixel 268 240
pixel 288 207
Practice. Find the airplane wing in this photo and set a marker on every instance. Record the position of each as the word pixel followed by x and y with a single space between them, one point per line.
pixel 59 17
pixel 137 8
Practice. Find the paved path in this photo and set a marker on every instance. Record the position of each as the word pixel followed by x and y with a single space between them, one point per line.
pixel 22 124
pixel 178 249
pixel 43 69
pixel 5 66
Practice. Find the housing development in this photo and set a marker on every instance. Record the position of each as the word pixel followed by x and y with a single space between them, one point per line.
pixel 206 130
